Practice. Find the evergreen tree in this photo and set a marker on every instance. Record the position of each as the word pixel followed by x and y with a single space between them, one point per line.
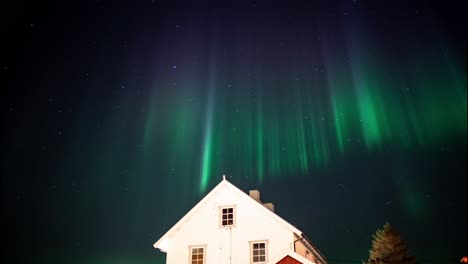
pixel 389 248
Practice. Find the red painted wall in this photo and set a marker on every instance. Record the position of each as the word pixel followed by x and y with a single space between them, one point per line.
pixel 288 260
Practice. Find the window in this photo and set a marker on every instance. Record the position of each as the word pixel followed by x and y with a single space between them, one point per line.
pixel 197 255
pixel 258 252
pixel 227 216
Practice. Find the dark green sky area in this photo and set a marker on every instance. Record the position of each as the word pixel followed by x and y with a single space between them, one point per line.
pixel 118 117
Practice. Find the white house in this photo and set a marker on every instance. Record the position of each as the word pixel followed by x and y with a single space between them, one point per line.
pixel 230 227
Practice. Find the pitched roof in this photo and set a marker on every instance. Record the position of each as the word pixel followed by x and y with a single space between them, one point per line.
pixel 294 256
pixel 223 184
pixel 162 242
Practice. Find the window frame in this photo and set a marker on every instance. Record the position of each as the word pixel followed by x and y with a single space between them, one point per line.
pixel 252 251
pixel 234 213
pixel 196 247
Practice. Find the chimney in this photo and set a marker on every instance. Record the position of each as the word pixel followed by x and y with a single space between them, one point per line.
pixel 270 206
pixel 255 194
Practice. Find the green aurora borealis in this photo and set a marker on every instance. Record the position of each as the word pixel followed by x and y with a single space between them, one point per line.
pixel 274 121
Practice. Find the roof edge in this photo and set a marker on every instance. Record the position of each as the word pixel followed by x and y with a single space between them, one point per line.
pixel 190 213
pixel 224 182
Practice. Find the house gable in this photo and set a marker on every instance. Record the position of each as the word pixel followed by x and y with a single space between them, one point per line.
pixel 253 223
pixel 216 193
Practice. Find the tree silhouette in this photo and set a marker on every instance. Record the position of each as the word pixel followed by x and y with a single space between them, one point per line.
pixel 389 248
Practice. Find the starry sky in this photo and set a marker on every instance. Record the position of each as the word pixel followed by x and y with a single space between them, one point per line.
pixel 119 116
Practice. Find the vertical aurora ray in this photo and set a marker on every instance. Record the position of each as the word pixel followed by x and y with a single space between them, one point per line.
pixel 338 84
pixel 207 149
pixel 303 156
pixel 259 140
pixel 301 152
pixel 250 141
pixel 369 116
pixel 319 137
pixel 337 120
pixel 259 137
pixel 315 145
pixel 273 145
pixel 313 123
pixel 181 124
pixel 206 158
pixel 371 109
pixel 324 144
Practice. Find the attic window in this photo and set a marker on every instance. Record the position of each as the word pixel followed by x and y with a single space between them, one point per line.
pixel 258 252
pixel 227 216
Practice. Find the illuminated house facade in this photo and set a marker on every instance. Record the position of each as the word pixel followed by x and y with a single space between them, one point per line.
pixel 230 227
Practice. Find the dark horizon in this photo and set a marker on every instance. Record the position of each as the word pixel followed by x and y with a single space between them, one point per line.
pixel 119 117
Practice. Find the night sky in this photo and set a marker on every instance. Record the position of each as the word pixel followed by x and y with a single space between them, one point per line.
pixel 117 118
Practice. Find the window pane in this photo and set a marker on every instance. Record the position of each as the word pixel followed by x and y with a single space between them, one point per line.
pixel 258 252
pixel 227 216
pixel 197 255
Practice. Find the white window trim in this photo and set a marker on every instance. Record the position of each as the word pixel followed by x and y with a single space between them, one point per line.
pixel 197 246
pixel 251 250
pixel 234 216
